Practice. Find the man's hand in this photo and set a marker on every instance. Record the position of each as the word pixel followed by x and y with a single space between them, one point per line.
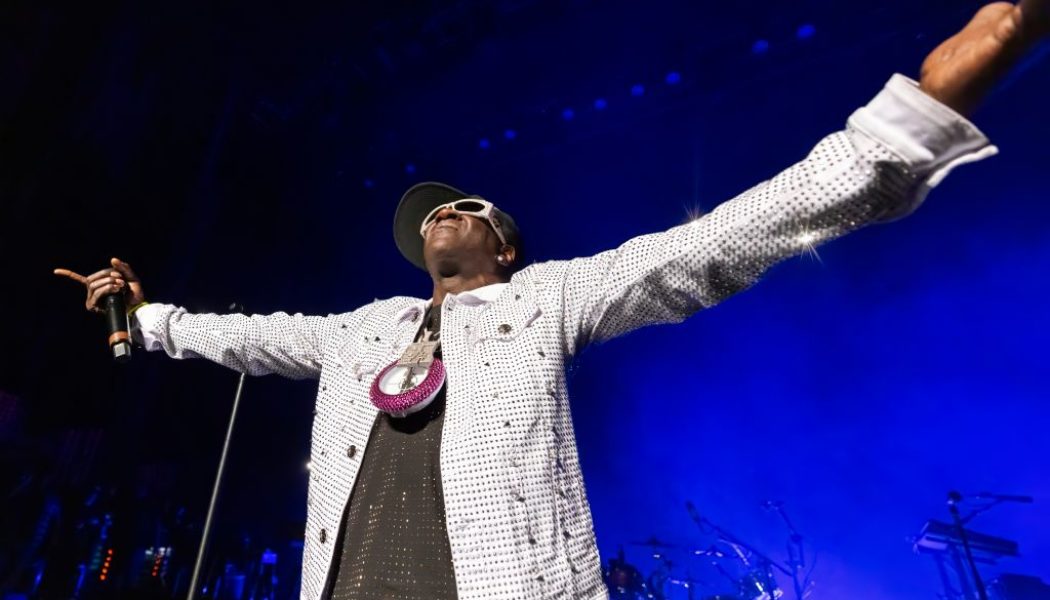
pixel 118 278
pixel 961 71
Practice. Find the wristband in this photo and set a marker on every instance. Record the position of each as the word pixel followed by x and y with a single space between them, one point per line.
pixel 132 310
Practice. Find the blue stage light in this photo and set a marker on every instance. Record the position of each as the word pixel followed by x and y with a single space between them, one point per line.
pixel 567 114
pixel 510 134
pixel 483 143
pixel 805 31
pixel 637 89
pixel 410 169
pixel 369 184
pixel 673 78
pixel 760 47
pixel 600 104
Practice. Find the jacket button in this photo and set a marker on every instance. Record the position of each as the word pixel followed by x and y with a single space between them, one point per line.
pixel 351 451
pixel 323 536
pixel 504 328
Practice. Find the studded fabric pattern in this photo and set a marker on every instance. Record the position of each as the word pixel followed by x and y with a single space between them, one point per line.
pixel 518 521
pixel 394 544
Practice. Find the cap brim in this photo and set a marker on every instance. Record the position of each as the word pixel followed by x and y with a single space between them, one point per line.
pixel 416 204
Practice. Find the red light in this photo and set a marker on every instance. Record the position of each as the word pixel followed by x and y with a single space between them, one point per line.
pixel 101 577
pixel 110 551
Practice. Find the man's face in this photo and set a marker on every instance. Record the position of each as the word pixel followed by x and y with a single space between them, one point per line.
pixel 457 243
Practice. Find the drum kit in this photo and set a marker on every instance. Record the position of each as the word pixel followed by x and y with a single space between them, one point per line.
pixel 727 569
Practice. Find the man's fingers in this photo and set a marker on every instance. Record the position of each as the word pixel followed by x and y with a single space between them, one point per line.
pixel 95 296
pixel 107 281
pixel 103 274
pixel 119 270
pixel 77 277
pixel 116 279
pixel 106 289
pixel 124 268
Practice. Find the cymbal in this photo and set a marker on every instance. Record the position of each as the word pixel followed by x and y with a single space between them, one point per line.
pixel 710 551
pixel 653 542
pixel 688 582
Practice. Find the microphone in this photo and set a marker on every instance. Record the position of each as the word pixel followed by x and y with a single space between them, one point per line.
pixel 117 325
pixel 772 504
pixel 1003 497
pixel 955 497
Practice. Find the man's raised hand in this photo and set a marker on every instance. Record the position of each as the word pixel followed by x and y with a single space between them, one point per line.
pixel 118 278
pixel 963 69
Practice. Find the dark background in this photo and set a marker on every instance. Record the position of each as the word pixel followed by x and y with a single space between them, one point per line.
pixel 255 153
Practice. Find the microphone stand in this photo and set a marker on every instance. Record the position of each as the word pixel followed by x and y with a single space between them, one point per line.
pixel 796 550
pixel 953 507
pixel 737 544
pixel 206 531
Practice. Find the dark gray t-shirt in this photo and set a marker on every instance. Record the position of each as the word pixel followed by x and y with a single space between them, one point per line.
pixel 393 544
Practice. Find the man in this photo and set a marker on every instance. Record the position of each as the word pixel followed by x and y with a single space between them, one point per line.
pixel 444 460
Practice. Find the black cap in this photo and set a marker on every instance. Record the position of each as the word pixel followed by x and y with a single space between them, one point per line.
pixel 424 197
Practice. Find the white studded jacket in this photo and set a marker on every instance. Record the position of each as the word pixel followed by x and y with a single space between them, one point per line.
pixel 518 520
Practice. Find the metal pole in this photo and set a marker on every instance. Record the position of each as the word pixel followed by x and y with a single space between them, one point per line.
pixel 953 501
pixel 215 492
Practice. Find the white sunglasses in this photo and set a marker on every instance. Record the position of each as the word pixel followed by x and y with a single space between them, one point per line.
pixel 482 209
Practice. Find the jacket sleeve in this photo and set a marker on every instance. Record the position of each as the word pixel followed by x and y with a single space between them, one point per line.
pixel 288 345
pixel 892 152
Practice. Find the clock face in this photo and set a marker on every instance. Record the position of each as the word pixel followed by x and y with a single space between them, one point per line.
pixel 401 378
